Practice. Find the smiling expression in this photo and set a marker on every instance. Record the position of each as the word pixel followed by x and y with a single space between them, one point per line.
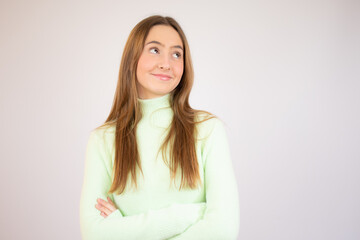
pixel 161 65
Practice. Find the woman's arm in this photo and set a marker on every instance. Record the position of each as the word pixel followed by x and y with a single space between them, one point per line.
pixel 222 217
pixel 155 224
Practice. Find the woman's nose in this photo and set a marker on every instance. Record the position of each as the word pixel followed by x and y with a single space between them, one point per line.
pixel 164 63
pixel 164 67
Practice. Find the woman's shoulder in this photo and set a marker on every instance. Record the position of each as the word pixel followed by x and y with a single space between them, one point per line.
pixel 104 133
pixel 105 129
pixel 206 123
pixel 205 118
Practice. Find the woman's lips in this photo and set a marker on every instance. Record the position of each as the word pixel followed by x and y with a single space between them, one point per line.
pixel 162 77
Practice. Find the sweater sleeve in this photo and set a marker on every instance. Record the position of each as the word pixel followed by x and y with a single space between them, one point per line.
pixel 222 215
pixel 162 223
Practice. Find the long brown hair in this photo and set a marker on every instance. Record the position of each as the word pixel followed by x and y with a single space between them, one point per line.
pixel 126 113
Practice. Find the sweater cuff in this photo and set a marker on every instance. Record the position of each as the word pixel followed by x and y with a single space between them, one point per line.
pixel 114 214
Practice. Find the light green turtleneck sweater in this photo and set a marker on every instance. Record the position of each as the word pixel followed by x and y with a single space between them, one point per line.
pixel 157 209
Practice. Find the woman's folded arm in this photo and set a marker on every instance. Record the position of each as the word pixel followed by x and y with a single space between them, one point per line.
pixel 154 224
pixel 222 217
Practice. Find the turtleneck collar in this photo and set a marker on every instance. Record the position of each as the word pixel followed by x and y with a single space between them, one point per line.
pixel 152 104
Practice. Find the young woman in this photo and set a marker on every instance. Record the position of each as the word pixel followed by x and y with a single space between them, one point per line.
pixel 158 169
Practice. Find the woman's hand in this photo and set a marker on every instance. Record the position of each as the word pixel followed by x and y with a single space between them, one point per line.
pixel 105 208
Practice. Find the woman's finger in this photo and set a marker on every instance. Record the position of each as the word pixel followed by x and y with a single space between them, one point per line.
pixel 107 207
pixel 110 205
pixel 111 202
pixel 102 209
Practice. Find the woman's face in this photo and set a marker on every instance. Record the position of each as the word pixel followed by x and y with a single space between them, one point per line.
pixel 161 65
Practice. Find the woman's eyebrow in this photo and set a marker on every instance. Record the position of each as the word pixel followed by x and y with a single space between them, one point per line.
pixel 176 46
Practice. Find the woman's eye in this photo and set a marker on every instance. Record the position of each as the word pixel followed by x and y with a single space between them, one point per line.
pixel 154 50
pixel 177 55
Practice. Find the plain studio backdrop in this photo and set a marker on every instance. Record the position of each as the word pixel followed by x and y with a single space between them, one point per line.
pixel 283 75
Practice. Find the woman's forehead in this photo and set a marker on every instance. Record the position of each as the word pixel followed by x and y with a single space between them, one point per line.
pixel 165 35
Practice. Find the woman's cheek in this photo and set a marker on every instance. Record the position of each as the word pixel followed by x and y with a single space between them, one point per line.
pixel 179 68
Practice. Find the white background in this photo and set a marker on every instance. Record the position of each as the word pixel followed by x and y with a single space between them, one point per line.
pixel 283 75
